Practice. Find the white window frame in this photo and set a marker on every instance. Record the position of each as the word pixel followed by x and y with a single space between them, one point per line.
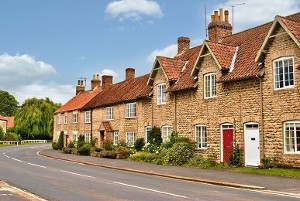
pixel 130 138
pixel 75 118
pixel 161 94
pixel 75 137
pixel 130 110
pixel 147 129
pixel 65 118
pixel 59 119
pixel 166 133
pixel 87 137
pixel 210 85
pixel 284 73
pixel 88 116
pixel 109 113
pixel 291 140
pixel 201 141
pixel 116 137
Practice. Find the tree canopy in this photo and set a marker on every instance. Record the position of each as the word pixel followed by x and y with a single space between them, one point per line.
pixel 34 119
pixel 8 104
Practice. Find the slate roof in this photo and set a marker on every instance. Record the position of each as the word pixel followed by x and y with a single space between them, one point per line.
pixel 78 101
pixel 125 91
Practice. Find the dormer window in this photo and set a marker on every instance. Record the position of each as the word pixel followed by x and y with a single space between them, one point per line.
pixel 284 73
pixel 161 94
pixel 210 86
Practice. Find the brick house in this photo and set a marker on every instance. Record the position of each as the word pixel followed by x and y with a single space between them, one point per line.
pixel 240 88
pixel 3 123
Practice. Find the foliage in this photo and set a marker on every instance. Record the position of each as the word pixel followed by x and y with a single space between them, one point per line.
pixel 34 119
pixel 267 163
pixel 108 154
pixel 155 136
pixel 85 149
pixel 122 144
pixel 67 150
pixel 174 138
pixel 8 104
pixel 282 172
pixel 98 149
pixel 144 157
pixel 108 145
pixel 152 148
pixel 80 141
pixel 71 144
pixel 236 158
pixel 60 142
pixel 179 154
pixel 93 142
pixel 54 146
pixel 139 144
pixel 123 153
pixel 10 137
pixel 1 133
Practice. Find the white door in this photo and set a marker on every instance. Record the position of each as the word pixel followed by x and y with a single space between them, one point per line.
pixel 252 152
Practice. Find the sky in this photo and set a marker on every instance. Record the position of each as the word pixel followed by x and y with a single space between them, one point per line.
pixel 46 46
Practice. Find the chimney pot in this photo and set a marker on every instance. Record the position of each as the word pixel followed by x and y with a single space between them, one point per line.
pixel 226 16
pixel 212 18
pixel 183 44
pixel 221 14
pixel 129 73
pixel 216 16
pixel 219 28
pixel 95 82
pixel 106 81
pixel 80 87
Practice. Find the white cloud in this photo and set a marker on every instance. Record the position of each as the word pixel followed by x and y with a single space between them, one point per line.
pixel 25 77
pixel 169 51
pixel 257 12
pixel 109 72
pixel 133 9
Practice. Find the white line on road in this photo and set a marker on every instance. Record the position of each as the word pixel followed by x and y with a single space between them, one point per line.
pixel 36 165
pixel 81 175
pixel 17 160
pixel 149 189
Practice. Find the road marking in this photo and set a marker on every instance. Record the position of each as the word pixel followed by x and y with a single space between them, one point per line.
pixel 36 165
pixel 4 189
pixel 286 194
pixel 149 189
pixel 17 160
pixel 81 175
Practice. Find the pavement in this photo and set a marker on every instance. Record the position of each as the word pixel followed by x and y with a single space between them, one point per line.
pixel 224 177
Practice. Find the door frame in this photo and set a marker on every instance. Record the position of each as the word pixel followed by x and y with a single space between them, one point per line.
pixel 230 126
pixel 245 147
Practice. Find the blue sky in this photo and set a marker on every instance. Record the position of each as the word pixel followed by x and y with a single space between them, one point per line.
pixel 46 46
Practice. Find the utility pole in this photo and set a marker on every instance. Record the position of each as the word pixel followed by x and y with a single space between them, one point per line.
pixel 232 10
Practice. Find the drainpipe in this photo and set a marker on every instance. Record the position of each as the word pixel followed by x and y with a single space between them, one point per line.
pixel 261 115
pixel 175 111
pixel 92 124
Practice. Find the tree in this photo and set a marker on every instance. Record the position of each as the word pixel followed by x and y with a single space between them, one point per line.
pixel 8 104
pixel 1 133
pixel 34 119
pixel 155 136
pixel 60 142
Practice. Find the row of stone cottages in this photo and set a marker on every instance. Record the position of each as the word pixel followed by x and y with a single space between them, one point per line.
pixel 240 88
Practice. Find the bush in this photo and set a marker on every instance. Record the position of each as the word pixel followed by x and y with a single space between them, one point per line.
pixel 60 142
pixel 174 139
pixel 1 132
pixel 152 148
pixel 94 141
pixel 10 137
pixel 145 157
pixel 98 149
pixel 108 154
pixel 155 136
pixel 179 154
pixel 267 163
pixel 80 141
pixel 139 144
pixel 123 153
pixel 54 146
pixel 67 150
pixel 108 145
pixel 71 144
pixel 236 158
pixel 85 149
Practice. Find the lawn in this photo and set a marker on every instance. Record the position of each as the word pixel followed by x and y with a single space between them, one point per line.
pixel 282 172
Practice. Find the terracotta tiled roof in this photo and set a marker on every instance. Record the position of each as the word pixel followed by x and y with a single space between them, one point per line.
pixel 171 66
pixel 78 101
pixel 293 26
pixel 106 126
pixel 10 121
pixel 125 91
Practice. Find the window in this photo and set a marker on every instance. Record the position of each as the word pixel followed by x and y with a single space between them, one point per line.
pixel 161 94
pixel 166 133
pixel 210 87
pixel 130 138
pixel 130 110
pixel 75 118
pixel 75 137
pixel 109 113
pixel 58 119
pixel 283 73
pixel 87 137
pixel 147 133
pixel 201 136
pixel 116 137
pixel 292 137
pixel 66 119
pixel 88 117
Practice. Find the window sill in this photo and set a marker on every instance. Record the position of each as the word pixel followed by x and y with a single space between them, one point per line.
pixel 87 122
pixel 291 153
pixel 75 122
pixel 130 117
pixel 162 103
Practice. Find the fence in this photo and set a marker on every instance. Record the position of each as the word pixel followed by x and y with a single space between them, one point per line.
pixel 23 142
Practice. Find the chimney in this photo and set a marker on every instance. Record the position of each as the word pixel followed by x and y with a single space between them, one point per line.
pixel 95 82
pixel 219 27
pixel 106 81
pixel 130 73
pixel 183 44
pixel 80 87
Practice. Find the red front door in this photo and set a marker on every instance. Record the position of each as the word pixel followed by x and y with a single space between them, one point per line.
pixel 227 144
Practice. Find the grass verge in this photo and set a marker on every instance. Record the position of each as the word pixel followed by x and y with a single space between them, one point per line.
pixel 282 172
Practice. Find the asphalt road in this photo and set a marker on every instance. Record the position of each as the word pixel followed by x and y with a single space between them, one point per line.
pixel 57 180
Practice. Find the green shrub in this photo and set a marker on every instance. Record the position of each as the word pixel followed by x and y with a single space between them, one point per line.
pixel 267 163
pixel 54 146
pixel 71 144
pixel 85 149
pixel 236 158
pixel 139 144
pixel 179 154
pixel 174 138
pixel 1 132
pixel 80 141
pixel 108 145
pixel 60 142
pixel 94 141
pixel 152 148
pixel 10 137
pixel 98 149
pixel 108 154
pixel 145 157
pixel 155 136
pixel 122 144
pixel 123 153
